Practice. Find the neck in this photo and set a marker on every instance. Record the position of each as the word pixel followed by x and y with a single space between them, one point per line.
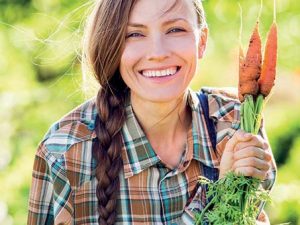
pixel 162 122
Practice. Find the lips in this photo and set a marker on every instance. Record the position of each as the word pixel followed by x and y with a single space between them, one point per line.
pixel 168 71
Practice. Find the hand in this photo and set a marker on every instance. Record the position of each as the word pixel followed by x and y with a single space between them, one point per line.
pixel 246 154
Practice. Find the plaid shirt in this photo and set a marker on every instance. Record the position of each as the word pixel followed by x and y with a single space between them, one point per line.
pixel 63 187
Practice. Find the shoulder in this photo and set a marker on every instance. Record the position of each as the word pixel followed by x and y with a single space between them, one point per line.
pixel 217 117
pixel 223 95
pixel 223 103
pixel 76 126
pixel 224 110
pixel 66 150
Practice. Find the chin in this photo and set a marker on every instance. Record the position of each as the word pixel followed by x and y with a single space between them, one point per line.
pixel 163 96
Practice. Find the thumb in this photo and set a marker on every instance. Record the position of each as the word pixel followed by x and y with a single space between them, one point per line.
pixel 239 136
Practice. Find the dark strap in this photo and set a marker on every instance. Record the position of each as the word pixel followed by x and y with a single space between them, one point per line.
pixel 209 122
pixel 209 172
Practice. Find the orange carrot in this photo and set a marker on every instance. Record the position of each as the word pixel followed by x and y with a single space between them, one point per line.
pixel 267 78
pixel 251 68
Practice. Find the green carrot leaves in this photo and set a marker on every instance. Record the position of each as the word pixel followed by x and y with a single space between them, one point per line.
pixel 226 194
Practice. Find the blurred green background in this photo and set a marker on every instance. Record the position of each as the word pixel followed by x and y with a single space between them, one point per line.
pixel 40 80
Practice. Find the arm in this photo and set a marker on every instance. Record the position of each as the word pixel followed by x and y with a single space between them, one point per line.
pixel 40 209
pixel 250 155
pixel 269 180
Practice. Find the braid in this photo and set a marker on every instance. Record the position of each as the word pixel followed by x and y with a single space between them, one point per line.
pixel 107 152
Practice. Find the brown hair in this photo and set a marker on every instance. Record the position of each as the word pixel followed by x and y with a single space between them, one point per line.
pixel 104 43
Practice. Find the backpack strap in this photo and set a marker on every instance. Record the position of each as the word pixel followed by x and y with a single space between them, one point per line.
pixel 208 172
pixel 209 122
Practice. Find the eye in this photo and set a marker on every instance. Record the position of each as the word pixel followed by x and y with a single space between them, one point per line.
pixel 176 30
pixel 134 35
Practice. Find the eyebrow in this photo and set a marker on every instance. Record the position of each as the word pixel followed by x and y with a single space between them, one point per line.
pixel 174 20
pixel 138 25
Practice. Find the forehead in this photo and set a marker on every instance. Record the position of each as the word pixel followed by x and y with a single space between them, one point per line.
pixel 145 11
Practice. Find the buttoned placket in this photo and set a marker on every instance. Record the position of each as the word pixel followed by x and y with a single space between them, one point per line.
pixel 182 166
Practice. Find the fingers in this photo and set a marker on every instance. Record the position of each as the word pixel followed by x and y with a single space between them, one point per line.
pixel 239 136
pixel 250 156
pixel 255 140
pixel 246 154
pixel 252 152
pixel 251 162
pixel 251 172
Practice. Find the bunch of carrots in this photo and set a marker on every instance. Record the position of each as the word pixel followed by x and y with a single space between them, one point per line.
pixel 256 80
pixel 235 198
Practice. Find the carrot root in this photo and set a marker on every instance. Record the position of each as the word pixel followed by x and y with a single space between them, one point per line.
pixel 267 78
pixel 250 70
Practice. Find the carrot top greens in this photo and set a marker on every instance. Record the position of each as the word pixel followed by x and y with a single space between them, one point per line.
pixel 224 208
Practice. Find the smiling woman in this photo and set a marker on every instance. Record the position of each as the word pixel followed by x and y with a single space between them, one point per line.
pixel 161 50
pixel 133 154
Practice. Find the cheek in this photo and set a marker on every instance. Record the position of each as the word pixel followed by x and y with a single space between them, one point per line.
pixel 131 55
pixel 186 48
pixel 129 59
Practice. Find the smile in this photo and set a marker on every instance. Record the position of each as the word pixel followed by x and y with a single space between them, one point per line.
pixel 160 73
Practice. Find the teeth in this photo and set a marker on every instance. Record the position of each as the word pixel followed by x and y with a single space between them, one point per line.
pixel 160 73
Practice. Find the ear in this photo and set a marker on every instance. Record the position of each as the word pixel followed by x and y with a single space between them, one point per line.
pixel 202 42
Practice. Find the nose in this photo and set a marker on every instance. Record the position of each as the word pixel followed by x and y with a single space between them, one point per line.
pixel 158 49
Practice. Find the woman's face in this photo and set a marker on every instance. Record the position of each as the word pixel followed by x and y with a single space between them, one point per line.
pixel 163 44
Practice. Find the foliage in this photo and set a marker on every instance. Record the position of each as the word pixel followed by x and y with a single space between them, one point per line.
pixel 40 80
pixel 226 194
pixel 286 205
pixel 284 138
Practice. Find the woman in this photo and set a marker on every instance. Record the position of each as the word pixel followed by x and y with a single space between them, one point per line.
pixel 133 154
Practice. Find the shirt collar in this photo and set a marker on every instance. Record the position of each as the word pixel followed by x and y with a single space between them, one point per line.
pixel 138 153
